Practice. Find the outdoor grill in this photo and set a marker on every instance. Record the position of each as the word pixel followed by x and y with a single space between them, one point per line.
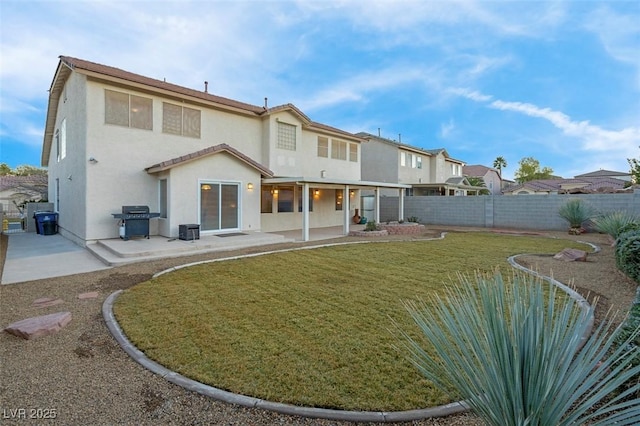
pixel 135 221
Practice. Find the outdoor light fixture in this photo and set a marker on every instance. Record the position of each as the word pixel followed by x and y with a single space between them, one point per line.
pixel 352 193
pixel 92 160
pixel 316 192
pixel 249 186
pixel 206 187
pixel 275 191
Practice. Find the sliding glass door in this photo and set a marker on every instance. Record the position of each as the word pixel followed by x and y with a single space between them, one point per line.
pixel 219 206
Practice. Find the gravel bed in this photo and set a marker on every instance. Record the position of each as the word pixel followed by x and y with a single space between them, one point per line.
pixel 81 376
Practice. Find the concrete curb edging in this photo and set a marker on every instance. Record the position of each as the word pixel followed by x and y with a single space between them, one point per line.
pixel 247 401
pixel 311 412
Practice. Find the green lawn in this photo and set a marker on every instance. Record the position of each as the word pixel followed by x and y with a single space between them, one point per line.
pixel 309 327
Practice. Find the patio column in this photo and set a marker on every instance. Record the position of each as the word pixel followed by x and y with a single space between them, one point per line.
pixel 305 211
pixel 377 215
pixel 347 210
pixel 400 204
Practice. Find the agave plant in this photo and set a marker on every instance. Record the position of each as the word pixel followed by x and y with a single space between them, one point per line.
pixel 613 223
pixel 576 212
pixel 518 354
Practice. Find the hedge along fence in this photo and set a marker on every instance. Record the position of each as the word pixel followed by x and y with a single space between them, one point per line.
pixel 538 212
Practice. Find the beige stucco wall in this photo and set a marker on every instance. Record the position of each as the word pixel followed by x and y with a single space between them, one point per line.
pixel 304 161
pixel 123 153
pixel 97 189
pixel 413 175
pixel 67 176
pixel 184 191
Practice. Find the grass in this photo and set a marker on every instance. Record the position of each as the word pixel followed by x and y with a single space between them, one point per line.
pixel 309 327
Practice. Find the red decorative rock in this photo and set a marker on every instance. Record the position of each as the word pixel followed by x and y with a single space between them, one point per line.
pixel 570 255
pixel 88 295
pixel 43 302
pixel 31 328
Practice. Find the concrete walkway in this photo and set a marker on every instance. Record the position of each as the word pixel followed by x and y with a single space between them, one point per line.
pixel 31 256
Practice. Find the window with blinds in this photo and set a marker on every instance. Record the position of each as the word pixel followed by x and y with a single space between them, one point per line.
pixel 323 147
pixel 123 109
pixel 179 120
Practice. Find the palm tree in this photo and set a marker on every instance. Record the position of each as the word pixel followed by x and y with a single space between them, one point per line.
pixel 499 164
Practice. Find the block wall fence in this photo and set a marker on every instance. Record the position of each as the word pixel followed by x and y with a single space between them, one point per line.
pixel 539 212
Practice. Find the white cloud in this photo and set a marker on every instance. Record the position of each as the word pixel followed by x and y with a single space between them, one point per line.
pixel 474 95
pixel 594 138
pixel 447 128
pixel 619 33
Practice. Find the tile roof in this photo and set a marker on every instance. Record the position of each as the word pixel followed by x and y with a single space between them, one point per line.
pixel 216 149
pixel 81 64
pixel 16 182
pixel 477 170
pixel 430 152
pixel 588 184
pixel 602 173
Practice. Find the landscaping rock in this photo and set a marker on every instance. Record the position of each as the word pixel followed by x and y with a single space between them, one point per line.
pixel 31 328
pixel 570 255
pixel 88 295
pixel 43 302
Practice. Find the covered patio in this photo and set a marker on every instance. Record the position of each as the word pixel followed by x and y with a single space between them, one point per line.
pixel 351 190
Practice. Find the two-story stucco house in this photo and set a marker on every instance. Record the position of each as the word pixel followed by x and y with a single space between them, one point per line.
pixel 114 138
pixel 428 171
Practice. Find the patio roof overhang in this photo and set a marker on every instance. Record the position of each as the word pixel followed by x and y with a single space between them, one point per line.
pixel 327 183
pixel 347 184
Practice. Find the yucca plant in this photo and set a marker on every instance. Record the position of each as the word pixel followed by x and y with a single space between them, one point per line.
pixel 515 352
pixel 613 223
pixel 576 212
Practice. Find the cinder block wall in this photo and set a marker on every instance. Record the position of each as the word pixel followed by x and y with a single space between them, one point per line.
pixel 518 211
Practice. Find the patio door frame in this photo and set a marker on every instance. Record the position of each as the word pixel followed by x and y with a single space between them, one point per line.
pixel 220 184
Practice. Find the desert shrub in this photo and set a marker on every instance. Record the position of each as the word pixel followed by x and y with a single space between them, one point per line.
pixel 513 351
pixel 371 226
pixel 628 253
pixel 413 219
pixel 613 223
pixel 631 323
pixel 576 212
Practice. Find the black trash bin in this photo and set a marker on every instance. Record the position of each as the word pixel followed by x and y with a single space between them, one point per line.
pixel 46 222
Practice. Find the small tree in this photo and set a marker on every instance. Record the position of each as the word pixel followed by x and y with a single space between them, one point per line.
pixel 530 170
pixel 479 182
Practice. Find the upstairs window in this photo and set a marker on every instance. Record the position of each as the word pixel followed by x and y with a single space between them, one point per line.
pixel 180 120
pixel 403 159
pixel 338 150
pixel 419 162
pixel 323 147
pixel 353 152
pixel 123 109
pixel 286 136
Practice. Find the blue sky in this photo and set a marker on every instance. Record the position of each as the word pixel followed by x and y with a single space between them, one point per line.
pixel 557 81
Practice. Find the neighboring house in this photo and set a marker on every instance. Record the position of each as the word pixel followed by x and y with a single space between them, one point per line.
pixel 583 185
pixel 428 171
pixel 114 138
pixel 15 190
pixel 606 174
pixel 491 177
